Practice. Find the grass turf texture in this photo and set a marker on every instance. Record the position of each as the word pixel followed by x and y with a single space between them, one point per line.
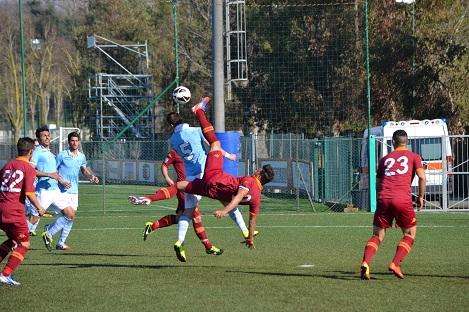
pixel 112 269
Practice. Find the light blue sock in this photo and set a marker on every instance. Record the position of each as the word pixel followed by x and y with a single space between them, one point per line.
pixel 33 226
pixel 237 217
pixel 30 225
pixel 58 225
pixel 65 231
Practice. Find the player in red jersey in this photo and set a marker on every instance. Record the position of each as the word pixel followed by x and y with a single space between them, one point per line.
pixel 229 190
pixel 17 178
pixel 173 159
pixel 395 174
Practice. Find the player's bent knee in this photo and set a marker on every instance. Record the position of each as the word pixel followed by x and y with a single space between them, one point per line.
pixel 215 146
pixel 34 219
pixel 379 232
pixel 69 212
pixel 410 232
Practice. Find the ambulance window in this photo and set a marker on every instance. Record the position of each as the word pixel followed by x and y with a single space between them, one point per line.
pixel 430 149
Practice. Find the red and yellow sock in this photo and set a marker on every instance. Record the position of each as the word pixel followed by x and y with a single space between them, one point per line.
pixel 403 248
pixel 370 249
pixel 199 229
pixel 15 259
pixel 163 193
pixel 207 127
pixel 5 248
pixel 164 222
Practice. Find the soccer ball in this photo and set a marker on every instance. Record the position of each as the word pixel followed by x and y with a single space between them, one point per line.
pixel 181 95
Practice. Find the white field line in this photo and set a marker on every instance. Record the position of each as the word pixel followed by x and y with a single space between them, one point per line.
pixel 283 226
pixel 208 214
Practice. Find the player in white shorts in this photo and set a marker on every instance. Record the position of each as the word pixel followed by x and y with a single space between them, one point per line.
pixel 47 189
pixel 70 163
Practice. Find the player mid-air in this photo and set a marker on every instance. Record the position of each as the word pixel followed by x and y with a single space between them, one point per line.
pixel 395 174
pixel 229 190
pixel 188 142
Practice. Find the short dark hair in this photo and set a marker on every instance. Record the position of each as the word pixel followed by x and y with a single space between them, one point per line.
pixel 73 134
pixel 399 137
pixel 41 129
pixel 267 174
pixel 24 145
pixel 174 119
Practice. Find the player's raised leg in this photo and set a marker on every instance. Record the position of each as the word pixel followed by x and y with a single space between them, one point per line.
pixel 160 194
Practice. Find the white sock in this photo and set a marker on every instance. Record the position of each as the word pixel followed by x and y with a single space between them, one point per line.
pixel 65 231
pixel 237 217
pixel 183 225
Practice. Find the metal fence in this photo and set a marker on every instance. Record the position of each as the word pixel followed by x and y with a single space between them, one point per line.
pixel 309 172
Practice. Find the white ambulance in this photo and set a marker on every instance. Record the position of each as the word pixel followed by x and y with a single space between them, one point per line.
pixel 428 138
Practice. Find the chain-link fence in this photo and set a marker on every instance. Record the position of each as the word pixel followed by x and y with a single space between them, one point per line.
pixel 311 174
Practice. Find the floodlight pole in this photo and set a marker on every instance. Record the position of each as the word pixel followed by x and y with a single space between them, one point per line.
pixel 23 78
pixel 176 46
pixel 218 65
pixel 371 162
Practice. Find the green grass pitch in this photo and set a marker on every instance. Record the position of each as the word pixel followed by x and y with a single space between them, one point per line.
pixel 303 261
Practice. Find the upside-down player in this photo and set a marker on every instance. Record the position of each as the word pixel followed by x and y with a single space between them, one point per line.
pixel 173 159
pixel 231 191
pixel 188 142
pixel 17 178
pixel 395 174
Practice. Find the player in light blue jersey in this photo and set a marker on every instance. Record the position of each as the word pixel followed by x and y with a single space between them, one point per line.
pixel 47 189
pixel 70 163
pixel 189 142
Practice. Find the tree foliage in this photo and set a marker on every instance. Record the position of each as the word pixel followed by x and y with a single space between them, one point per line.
pixel 306 61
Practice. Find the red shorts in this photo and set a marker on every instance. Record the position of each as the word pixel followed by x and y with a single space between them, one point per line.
pixel 215 184
pixel 18 232
pixel 392 208
pixel 180 196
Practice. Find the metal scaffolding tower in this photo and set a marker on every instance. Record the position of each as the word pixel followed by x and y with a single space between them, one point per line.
pixel 121 93
pixel 236 48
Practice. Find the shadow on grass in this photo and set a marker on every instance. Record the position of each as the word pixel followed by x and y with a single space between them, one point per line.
pixel 282 274
pixel 348 273
pixel 85 254
pixel 115 265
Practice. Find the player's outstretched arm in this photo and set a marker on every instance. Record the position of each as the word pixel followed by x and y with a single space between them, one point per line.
pixel 252 229
pixel 242 192
pixel 33 199
pixel 89 175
